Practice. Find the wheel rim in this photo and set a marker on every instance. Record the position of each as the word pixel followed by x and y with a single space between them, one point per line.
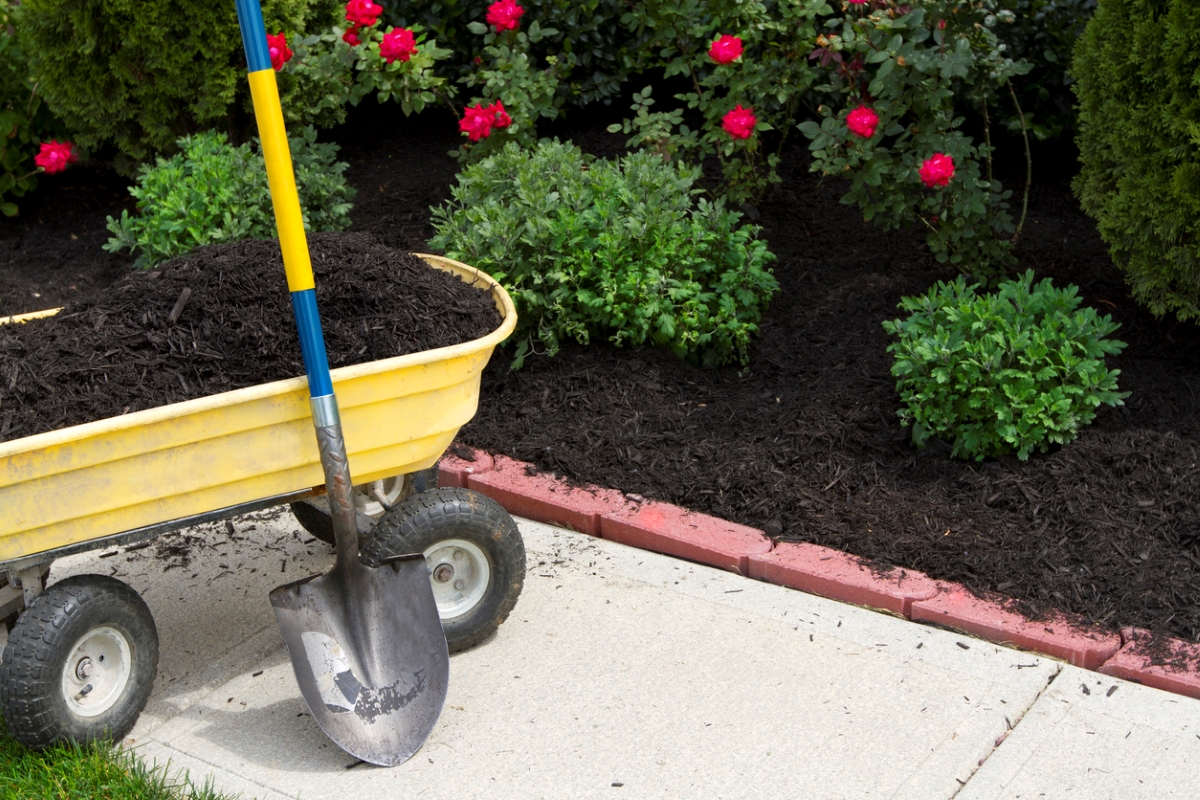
pixel 459 572
pixel 96 673
pixel 366 496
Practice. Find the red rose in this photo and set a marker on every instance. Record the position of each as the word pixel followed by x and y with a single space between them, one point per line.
pixel 363 13
pixel 280 52
pixel 397 43
pixel 476 122
pixel 503 15
pixel 350 37
pixel 941 24
pixel 937 170
pixel 740 122
pixel 55 156
pixel 500 117
pixel 858 2
pixel 862 122
pixel 726 50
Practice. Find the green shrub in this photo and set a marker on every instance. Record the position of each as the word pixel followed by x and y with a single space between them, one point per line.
pixel 1137 68
pixel 590 247
pixel 138 74
pixel 213 192
pixel 1010 371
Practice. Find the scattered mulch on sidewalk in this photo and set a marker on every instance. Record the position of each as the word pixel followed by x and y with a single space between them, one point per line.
pixel 805 441
pixel 221 318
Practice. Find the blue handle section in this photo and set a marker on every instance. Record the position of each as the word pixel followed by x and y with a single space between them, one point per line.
pixel 254 35
pixel 312 343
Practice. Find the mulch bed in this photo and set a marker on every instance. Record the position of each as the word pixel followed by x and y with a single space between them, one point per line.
pixel 804 442
pixel 220 318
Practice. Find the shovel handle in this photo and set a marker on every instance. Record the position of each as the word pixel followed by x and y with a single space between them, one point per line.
pixel 289 221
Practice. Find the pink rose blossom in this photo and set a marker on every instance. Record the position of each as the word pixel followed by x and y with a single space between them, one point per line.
pixel 725 50
pixel 280 52
pixel 862 122
pixel 363 13
pixel 476 122
pixel 55 156
pixel 398 44
pixel 350 37
pixel 937 170
pixel 941 24
pixel 740 122
pixel 503 15
pixel 858 2
pixel 500 117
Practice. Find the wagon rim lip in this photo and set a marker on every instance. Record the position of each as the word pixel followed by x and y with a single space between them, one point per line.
pixel 465 272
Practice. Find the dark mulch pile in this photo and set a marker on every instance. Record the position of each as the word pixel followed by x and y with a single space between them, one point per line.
pixel 221 318
pixel 805 441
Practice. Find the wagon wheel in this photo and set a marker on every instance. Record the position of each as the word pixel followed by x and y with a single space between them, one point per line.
pixel 79 664
pixel 369 498
pixel 474 553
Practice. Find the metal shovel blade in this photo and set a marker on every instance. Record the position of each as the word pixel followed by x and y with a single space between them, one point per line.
pixel 369 654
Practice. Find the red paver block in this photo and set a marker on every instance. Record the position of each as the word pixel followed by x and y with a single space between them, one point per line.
pixel 838 576
pixel 543 497
pixel 669 529
pixel 453 470
pixel 955 607
pixel 1172 665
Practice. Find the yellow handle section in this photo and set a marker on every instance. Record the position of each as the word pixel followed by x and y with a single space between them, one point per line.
pixel 282 180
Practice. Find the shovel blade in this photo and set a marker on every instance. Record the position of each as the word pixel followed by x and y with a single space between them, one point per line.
pixel 369 654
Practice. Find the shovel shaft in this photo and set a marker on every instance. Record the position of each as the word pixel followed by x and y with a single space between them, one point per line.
pixel 289 221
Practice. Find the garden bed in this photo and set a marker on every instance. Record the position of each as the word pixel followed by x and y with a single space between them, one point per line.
pixel 805 442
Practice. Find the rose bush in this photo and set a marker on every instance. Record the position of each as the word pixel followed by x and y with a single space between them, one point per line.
pixel 915 67
pixel 338 68
pixel 757 63
pixel 513 92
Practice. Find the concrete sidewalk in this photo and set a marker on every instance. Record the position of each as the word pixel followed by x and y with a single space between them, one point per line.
pixel 626 674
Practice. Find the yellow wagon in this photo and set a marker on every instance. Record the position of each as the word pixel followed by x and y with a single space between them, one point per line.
pixel 119 481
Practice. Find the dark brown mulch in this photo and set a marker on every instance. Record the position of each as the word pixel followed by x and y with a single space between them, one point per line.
pixel 805 441
pixel 220 318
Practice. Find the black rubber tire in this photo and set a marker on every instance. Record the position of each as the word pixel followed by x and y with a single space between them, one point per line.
pixel 314 520
pixel 31 670
pixel 320 524
pixel 434 516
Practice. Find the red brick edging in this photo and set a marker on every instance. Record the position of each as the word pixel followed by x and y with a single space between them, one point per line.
pixel 1164 663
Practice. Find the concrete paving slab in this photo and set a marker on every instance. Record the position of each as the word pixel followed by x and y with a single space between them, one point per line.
pixel 1096 737
pixel 621 673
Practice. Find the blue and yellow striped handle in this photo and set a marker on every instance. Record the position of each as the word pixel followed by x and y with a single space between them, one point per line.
pixel 282 181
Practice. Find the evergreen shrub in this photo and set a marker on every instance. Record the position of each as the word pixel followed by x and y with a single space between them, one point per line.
pixel 139 74
pixel 1137 69
pixel 621 249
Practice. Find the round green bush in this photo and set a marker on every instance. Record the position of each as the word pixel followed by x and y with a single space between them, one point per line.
pixel 140 74
pixel 1009 371
pixel 213 192
pixel 615 248
pixel 1137 68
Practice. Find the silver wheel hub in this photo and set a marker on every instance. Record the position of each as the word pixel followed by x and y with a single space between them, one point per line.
pixel 459 572
pixel 97 672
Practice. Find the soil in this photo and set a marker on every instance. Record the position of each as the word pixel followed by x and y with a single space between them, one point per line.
pixel 804 442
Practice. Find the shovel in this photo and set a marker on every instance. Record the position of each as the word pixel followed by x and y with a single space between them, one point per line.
pixel 366 643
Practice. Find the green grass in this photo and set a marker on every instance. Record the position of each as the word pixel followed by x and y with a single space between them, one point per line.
pixel 89 772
